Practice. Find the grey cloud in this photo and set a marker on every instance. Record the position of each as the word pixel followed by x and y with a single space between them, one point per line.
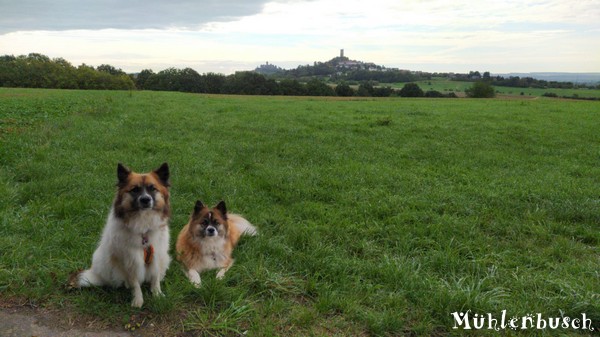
pixel 26 15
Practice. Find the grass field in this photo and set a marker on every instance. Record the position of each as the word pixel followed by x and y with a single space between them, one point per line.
pixel 377 216
pixel 458 87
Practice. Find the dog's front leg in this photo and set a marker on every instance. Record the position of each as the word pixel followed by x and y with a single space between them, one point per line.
pixel 136 289
pixel 132 280
pixel 194 277
pixel 155 282
pixel 223 270
pixel 136 292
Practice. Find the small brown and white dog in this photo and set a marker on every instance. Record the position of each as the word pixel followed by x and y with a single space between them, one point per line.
pixel 207 240
pixel 135 241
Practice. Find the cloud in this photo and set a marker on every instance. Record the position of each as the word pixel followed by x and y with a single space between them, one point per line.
pixel 29 15
pixel 438 35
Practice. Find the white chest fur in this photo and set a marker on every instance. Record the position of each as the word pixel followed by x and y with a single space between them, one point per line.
pixel 213 255
pixel 145 221
pixel 140 231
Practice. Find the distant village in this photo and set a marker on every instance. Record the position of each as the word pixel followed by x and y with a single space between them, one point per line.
pixel 341 66
pixel 341 63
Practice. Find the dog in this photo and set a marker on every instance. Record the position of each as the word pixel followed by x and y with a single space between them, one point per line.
pixel 135 240
pixel 206 242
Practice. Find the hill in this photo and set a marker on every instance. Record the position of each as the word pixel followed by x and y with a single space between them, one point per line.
pixel 593 78
pixel 341 69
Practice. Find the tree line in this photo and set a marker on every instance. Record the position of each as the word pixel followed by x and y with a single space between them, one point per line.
pixel 39 71
pixel 253 83
pixel 334 71
pixel 516 81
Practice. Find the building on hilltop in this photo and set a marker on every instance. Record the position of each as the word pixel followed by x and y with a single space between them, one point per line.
pixel 267 69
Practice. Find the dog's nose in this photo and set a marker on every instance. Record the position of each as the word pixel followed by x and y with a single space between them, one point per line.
pixel 210 231
pixel 145 201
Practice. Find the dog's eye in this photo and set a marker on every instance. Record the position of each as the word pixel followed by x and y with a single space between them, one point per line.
pixel 136 189
pixel 205 222
pixel 151 188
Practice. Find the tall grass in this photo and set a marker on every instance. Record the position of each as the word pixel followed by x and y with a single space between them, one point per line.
pixel 376 217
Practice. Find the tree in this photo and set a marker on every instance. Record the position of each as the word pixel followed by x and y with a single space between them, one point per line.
pixel 165 80
pixel 62 74
pixel 107 68
pixel 86 76
pixel 213 82
pixel 317 88
pixel 9 74
pixel 481 89
pixel 365 90
pixel 142 78
pixel 344 90
pixel 411 90
pixel 292 88
pixel 474 75
pixel 190 81
pixel 250 83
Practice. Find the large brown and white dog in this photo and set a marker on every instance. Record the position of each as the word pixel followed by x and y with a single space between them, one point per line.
pixel 135 241
pixel 207 240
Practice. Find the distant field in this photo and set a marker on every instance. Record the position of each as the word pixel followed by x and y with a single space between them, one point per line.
pixel 458 87
pixel 376 216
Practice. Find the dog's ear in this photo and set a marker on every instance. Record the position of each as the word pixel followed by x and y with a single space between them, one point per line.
pixel 163 174
pixel 122 174
pixel 198 208
pixel 222 208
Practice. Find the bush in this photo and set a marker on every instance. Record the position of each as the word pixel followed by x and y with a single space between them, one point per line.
pixel 344 90
pixel 383 92
pixel 317 88
pixel 365 90
pixel 481 89
pixel 434 93
pixel 411 90
pixel 292 88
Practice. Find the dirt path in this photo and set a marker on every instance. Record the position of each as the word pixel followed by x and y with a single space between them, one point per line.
pixel 27 323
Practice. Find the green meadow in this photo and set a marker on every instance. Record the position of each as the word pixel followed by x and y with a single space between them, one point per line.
pixel 376 216
pixel 445 86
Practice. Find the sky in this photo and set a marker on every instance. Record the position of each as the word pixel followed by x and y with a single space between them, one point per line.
pixel 225 36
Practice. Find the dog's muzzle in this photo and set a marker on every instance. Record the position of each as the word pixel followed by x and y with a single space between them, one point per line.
pixel 211 231
pixel 145 201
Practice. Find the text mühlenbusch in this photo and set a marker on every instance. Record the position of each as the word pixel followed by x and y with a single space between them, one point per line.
pixel 466 321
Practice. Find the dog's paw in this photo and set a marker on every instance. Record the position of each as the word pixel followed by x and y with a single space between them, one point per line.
pixel 157 293
pixel 137 302
pixel 194 278
pixel 197 283
pixel 73 282
pixel 221 274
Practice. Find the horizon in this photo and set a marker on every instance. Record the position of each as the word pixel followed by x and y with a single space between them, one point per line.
pixel 212 36
pixel 587 77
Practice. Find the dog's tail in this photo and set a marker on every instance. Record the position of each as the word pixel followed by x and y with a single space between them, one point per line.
pixel 243 225
pixel 83 278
